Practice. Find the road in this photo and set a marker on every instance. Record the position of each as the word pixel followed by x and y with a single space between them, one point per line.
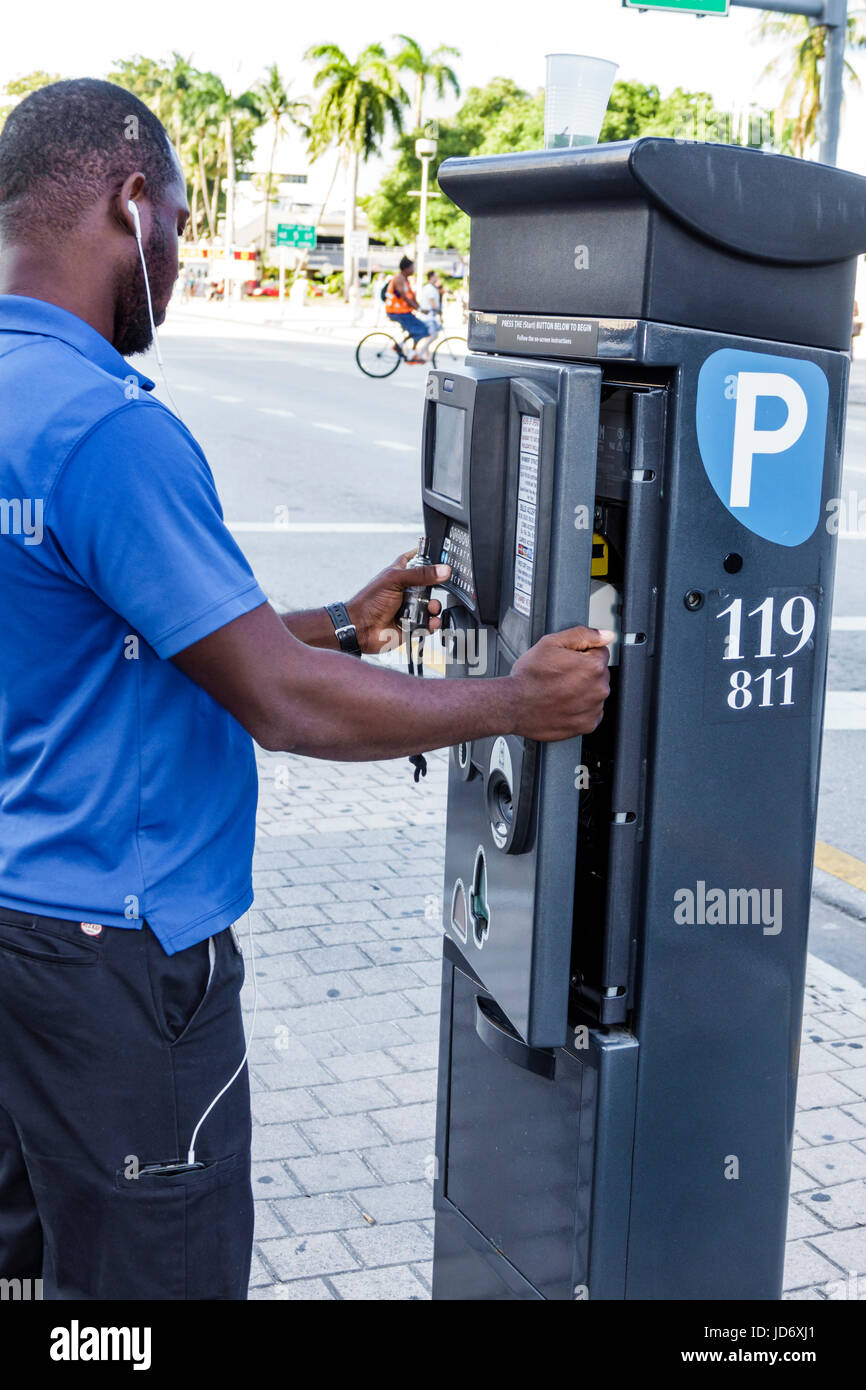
pixel 294 433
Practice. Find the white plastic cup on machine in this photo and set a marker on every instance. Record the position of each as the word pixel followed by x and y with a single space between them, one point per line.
pixel 576 94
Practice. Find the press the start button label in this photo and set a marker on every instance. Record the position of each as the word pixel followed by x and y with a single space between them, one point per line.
pixel 534 334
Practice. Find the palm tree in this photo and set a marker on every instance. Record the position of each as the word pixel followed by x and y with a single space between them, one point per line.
pixel 205 142
pixel 426 67
pixel 171 100
pixel 281 111
pixel 176 105
pixel 360 97
pixel 802 66
pixel 229 112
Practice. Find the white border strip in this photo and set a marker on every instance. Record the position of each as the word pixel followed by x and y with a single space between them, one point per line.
pixel 845 709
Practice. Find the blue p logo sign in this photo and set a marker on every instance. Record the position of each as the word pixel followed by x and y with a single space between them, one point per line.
pixel 761 426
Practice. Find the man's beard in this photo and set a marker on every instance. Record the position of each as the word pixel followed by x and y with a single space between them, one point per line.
pixel 132 329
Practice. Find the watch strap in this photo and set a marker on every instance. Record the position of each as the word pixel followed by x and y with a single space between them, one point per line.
pixel 345 629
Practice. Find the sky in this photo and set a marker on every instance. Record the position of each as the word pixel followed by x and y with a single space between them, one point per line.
pixel 495 37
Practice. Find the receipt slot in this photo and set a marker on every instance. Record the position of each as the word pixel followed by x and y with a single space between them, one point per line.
pixel 646 436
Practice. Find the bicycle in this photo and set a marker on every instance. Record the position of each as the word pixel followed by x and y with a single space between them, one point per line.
pixel 380 353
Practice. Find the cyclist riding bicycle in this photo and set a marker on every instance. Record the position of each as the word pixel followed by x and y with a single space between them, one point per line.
pixel 400 302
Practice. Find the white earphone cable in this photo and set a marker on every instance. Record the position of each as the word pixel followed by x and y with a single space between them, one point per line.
pixel 190 1158
pixel 137 221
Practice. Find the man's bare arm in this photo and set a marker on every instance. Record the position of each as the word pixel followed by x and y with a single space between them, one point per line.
pixel 312 626
pixel 294 698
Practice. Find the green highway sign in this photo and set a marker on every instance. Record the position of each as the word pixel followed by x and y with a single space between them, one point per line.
pixel 295 235
pixel 680 6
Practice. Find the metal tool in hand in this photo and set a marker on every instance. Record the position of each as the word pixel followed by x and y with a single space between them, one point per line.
pixel 413 618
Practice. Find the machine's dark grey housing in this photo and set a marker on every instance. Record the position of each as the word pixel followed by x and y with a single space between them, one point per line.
pixel 707 236
pixel 631 1136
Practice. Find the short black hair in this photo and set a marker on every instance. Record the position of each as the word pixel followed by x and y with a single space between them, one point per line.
pixel 406 262
pixel 64 145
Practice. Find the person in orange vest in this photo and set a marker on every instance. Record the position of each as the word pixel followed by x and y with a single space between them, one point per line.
pixel 400 302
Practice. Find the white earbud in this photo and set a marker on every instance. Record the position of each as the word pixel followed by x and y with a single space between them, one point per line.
pixel 133 208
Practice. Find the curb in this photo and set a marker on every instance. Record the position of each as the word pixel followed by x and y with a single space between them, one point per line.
pixel 839 895
pixel 818 971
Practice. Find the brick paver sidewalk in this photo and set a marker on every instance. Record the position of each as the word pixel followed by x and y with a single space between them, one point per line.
pixel 343 1064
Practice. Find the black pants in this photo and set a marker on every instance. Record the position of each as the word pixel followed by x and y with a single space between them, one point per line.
pixel 110 1051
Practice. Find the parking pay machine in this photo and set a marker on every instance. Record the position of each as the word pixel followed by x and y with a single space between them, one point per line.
pixel 645 436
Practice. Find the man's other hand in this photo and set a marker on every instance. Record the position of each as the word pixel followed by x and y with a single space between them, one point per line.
pixel 374 609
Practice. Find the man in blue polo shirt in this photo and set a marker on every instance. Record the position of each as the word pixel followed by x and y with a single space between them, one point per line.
pixel 138 660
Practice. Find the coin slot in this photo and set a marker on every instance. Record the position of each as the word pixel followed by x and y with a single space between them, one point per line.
pixel 479 910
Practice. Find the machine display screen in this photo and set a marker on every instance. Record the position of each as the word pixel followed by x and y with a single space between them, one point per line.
pixel 448 445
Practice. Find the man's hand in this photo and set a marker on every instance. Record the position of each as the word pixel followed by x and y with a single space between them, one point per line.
pixel 374 610
pixel 296 698
pixel 563 684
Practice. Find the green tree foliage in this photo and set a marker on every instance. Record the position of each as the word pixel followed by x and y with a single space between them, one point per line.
pixel 501 118
pixel 631 108
pixel 484 114
pixel 212 128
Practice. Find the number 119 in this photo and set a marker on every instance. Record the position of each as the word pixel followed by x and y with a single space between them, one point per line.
pixel 795 623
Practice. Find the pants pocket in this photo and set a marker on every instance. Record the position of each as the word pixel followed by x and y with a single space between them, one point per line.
pixel 53 945
pixel 180 984
pixel 198 1227
pixel 172 1239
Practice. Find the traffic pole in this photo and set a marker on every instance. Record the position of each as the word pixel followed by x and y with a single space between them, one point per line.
pixel 831 15
pixel 831 92
pixel 425 149
pixel 422 238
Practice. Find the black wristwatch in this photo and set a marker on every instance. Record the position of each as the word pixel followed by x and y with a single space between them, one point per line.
pixel 347 635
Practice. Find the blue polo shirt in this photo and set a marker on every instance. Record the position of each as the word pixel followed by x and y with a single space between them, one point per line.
pixel 126 792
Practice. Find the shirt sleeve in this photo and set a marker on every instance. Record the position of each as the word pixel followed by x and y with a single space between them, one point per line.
pixel 136 513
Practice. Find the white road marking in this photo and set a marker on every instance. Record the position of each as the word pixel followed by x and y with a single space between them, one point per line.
pixel 275 410
pixel 845 709
pixel 335 429
pixel 848 625
pixel 327 527
pixel 853 535
pixel 229 400
pixel 394 444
